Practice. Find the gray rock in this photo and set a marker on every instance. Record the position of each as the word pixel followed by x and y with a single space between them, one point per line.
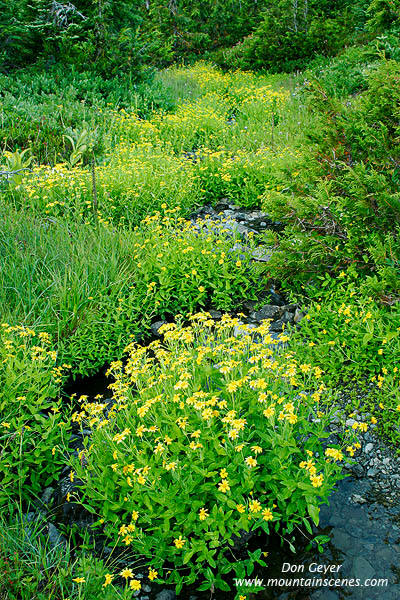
pixel 146 588
pixel 342 540
pixel 368 448
pixel 47 495
pixel 298 316
pixel 215 314
pixel 166 595
pixel 156 326
pixel 243 329
pixel 269 311
pixel 325 595
pixel 262 254
pixel 362 569
pixel 358 499
pixel 55 537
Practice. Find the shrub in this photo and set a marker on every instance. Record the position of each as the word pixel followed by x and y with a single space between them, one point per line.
pixel 210 433
pixel 32 430
pixel 346 73
pixel 344 205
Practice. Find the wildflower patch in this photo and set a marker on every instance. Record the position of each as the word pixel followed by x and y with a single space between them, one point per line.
pixel 208 435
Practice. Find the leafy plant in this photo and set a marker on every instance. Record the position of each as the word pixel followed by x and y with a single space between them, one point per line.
pixel 32 430
pixel 208 435
pixel 16 163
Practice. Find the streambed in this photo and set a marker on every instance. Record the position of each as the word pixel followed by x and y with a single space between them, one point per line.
pixel 362 519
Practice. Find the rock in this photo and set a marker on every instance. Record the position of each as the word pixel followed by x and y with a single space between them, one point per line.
pixel 325 595
pixel 269 311
pixel 298 316
pixel 277 326
pixel 358 499
pixel 215 314
pixel 166 595
pixel 243 329
pixel 368 448
pixel 156 326
pixel 342 540
pixel 262 254
pixel 372 472
pixel 47 495
pixel 362 569
pixel 55 537
pixel 276 298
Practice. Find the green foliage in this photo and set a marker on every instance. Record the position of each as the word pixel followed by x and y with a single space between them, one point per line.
pixel 37 109
pixel 32 430
pixel 383 14
pixel 348 201
pixel 92 290
pixel 356 341
pixel 16 163
pixel 345 74
pixel 289 34
pixel 116 37
pixel 208 436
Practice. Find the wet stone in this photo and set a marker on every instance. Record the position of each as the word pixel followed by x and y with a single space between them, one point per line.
pixel 166 595
pixel 362 569
pixel 156 326
pixel 325 595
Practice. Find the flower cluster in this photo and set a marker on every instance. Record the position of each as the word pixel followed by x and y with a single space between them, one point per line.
pixel 202 440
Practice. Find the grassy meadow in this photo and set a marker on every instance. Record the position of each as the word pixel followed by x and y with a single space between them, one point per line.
pixel 208 433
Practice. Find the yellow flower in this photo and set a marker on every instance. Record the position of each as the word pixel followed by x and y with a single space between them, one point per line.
pixel 153 574
pixel 267 514
pixel 179 542
pixel 223 486
pixel 254 506
pixel 250 461
pixel 334 453
pixel 316 480
pixel 203 514
pixel 79 580
pixel 201 288
pixel 6 425
pixel 240 508
pixel 223 473
pixel 126 573
pixel 107 579
pixel 269 412
pixel 135 584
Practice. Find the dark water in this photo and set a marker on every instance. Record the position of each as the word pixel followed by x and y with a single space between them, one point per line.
pixel 364 548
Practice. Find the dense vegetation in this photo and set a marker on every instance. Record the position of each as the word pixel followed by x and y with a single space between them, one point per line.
pixel 289 107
